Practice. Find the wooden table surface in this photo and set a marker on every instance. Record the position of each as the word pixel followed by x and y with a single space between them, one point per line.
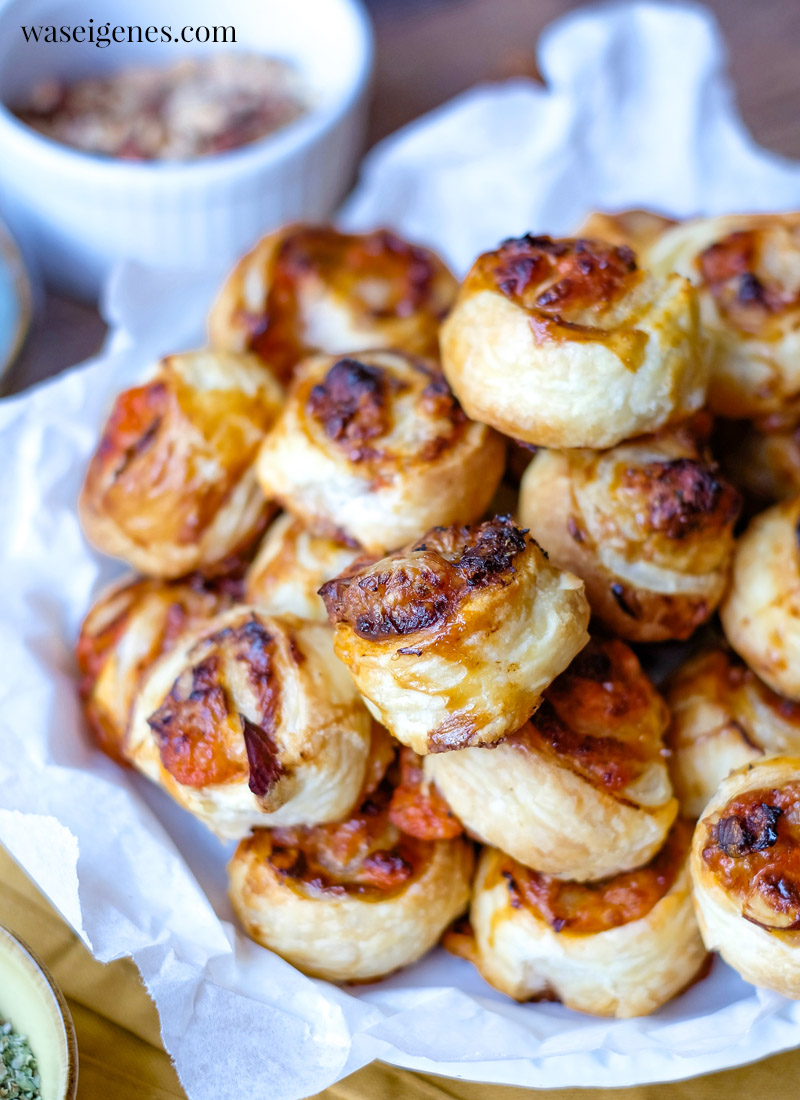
pixel 429 50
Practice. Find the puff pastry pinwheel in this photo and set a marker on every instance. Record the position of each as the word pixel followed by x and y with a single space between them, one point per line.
pixel 746 873
pixel 761 459
pixel 761 610
pixel 569 343
pixel 621 947
pixel 723 717
pixel 171 487
pixel 418 806
pixel 128 628
pixel 376 449
pixel 307 289
pixel 746 268
pixel 452 640
pixel 638 229
pixel 291 565
pixel 648 526
pixel 353 901
pixel 250 721
pixel 582 790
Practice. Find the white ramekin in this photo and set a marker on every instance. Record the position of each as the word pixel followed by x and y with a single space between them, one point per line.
pixel 79 214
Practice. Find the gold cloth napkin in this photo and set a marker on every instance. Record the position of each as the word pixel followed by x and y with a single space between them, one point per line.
pixel 121 1057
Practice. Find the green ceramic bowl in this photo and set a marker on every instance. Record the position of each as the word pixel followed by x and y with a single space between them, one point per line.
pixel 34 1004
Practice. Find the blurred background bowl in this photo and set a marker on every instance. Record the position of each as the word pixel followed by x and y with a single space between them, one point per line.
pixel 78 213
pixel 15 301
pixel 35 1006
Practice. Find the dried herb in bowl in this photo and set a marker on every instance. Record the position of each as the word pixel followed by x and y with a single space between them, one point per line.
pixel 19 1074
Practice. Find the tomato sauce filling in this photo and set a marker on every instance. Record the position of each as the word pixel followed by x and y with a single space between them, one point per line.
pixel 592 907
pixel 197 725
pixel 601 717
pixel 417 808
pixel 366 856
pixel 753 851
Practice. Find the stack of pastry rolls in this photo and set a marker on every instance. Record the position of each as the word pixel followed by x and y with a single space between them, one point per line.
pixel 342 650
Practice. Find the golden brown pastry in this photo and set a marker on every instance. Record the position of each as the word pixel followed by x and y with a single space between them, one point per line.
pixel 569 343
pixel 291 565
pixel 723 717
pixel 582 790
pixel 418 806
pixel 132 624
pixel 251 721
pixel 452 640
pixel 307 289
pixel 374 450
pixel 621 947
pixel 761 459
pixel 350 902
pixel 171 487
pixel 647 525
pixel 638 229
pixel 746 873
pixel 761 609
pixel 747 272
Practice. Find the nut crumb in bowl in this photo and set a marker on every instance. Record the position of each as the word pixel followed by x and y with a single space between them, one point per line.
pixel 193 109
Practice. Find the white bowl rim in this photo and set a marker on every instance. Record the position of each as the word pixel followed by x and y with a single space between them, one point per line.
pixel 31 959
pixel 11 260
pixel 272 148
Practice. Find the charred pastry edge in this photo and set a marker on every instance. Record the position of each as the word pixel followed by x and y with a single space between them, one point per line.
pixel 513 274
pixel 487 555
pixel 352 404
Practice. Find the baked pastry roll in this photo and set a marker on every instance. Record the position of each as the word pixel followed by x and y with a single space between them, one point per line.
pixel 307 289
pixel 452 640
pixel 638 229
pixel 647 525
pixel 621 947
pixel 569 343
pixel 128 628
pixel 418 806
pixel 349 902
pixel 582 791
pixel 762 459
pixel 250 721
pixel 723 717
pixel 376 449
pixel 761 609
pixel 290 567
pixel 746 873
pixel 746 268
pixel 171 487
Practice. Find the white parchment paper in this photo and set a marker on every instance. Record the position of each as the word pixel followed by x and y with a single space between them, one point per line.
pixel 636 111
